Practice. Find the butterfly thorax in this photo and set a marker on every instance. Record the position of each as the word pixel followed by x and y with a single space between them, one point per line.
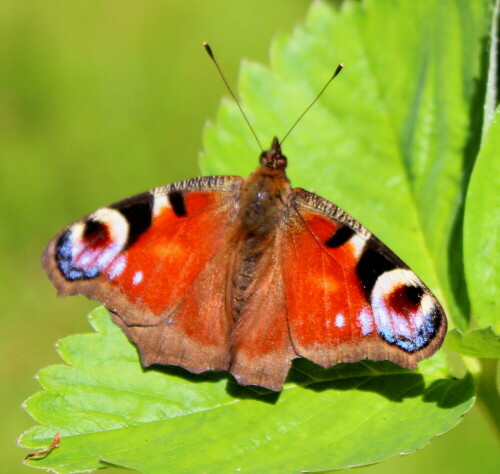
pixel 262 202
pixel 264 193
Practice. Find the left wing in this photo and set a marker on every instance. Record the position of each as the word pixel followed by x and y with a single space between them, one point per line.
pixel 159 261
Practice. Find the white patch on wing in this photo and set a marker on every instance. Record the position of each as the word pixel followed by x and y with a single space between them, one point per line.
pixel 75 235
pixel 160 202
pixel 358 243
pixel 339 320
pixel 87 258
pixel 117 267
pixel 365 320
pixel 116 223
pixel 137 278
pixel 105 257
pixel 77 231
pixel 427 304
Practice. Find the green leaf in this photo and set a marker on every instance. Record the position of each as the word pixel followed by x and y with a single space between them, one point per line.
pixel 497 379
pixel 481 231
pixel 109 410
pixel 392 143
pixel 390 140
pixel 482 343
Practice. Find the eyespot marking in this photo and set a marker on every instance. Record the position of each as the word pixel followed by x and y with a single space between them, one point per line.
pixel 405 315
pixel 88 247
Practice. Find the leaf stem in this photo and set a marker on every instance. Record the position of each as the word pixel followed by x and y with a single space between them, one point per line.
pixel 488 397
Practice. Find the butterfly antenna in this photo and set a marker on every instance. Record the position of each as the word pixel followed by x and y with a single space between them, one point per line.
pixel 212 57
pixel 335 74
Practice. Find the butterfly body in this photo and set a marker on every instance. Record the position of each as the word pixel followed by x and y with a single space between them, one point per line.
pixel 222 273
pixel 263 199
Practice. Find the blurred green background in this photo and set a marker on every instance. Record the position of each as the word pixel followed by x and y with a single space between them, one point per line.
pixel 100 100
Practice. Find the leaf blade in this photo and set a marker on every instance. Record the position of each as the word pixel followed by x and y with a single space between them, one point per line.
pixel 152 420
pixel 391 151
pixel 481 236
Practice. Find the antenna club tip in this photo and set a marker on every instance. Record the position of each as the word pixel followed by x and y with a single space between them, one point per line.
pixel 208 49
pixel 339 68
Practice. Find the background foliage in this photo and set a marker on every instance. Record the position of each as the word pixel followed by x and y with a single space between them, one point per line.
pixel 101 96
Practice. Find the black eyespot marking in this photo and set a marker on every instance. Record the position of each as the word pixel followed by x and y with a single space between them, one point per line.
pixel 95 234
pixel 413 294
pixel 92 229
pixel 340 237
pixel 176 200
pixel 370 266
pixel 138 211
pixel 404 299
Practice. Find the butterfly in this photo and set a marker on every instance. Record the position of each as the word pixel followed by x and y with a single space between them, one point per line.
pixel 244 275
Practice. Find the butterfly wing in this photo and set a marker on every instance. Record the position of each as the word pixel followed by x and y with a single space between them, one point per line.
pixel 326 289
pixel 348 296
pixel 159 261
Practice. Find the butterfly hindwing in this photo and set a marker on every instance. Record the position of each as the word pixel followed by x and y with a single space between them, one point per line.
pixel 348 296
pixel 158 261
pixel 195 332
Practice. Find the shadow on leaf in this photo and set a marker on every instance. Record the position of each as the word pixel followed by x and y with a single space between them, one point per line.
pixel 384 378
pixel 448 393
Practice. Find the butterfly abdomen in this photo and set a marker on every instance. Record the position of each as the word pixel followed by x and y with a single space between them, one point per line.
pixel 244 269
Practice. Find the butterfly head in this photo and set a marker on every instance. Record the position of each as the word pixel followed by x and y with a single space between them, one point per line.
pixel 272 158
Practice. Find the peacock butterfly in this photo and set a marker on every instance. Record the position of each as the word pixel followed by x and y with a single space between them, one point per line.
pixel 245 275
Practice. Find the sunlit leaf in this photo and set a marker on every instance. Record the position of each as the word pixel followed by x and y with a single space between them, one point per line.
pixel 390 140
pixel 481 231
pixel 108 409
pixel 482 343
